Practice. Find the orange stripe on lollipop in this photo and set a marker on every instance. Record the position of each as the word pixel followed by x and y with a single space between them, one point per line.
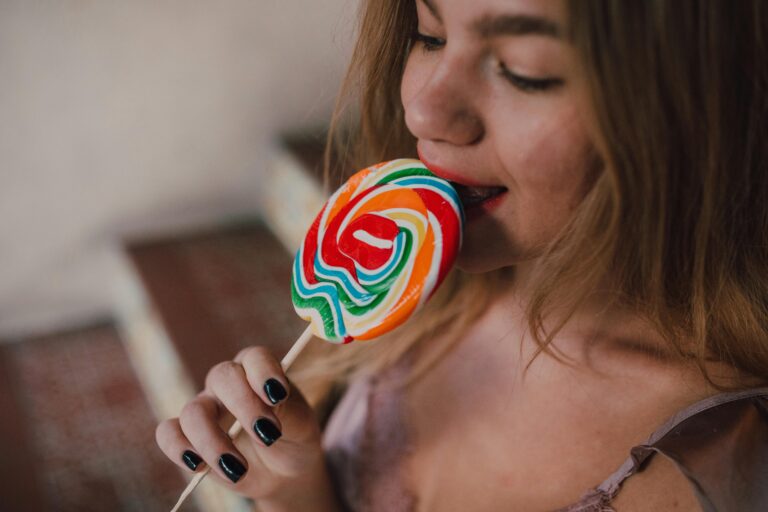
pixel 405 200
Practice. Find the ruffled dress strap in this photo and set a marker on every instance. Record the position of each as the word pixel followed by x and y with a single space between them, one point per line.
pixel 720 444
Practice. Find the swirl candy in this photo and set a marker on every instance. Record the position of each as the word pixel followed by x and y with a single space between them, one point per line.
pixel 376 251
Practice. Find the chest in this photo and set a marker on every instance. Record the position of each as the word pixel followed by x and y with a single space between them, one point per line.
pixel 489 436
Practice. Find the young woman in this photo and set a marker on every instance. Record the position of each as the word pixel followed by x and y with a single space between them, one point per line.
pixel 603 342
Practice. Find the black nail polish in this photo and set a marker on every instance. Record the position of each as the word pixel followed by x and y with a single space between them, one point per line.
pixel 191 459
pixel 267 431
pixel 274 390
pixel 231 467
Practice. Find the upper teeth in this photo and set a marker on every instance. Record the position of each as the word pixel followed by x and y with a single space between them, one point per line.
pixel 474 195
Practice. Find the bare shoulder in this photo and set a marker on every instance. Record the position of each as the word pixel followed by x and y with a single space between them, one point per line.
pixel 661 487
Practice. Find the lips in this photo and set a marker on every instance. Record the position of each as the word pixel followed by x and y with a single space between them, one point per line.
pixel 476 198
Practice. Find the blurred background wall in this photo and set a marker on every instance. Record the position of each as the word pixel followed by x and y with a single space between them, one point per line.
pixel 120 118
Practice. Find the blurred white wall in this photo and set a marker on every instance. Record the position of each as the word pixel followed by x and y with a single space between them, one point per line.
pixel 127 117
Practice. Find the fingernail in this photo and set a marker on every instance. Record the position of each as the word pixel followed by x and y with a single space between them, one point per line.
pixel 191 459
pixel 274 390
pixel 267 431
pixel 231 467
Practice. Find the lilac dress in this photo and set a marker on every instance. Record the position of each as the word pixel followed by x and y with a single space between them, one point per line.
pixel 720 444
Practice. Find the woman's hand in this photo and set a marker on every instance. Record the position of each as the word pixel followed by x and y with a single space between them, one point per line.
pixel 279 462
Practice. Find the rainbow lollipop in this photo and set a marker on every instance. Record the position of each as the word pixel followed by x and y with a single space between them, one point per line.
pixel 376 252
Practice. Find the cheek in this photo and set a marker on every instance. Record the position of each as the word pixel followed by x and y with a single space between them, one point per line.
pixel 412 80
pixel 553 164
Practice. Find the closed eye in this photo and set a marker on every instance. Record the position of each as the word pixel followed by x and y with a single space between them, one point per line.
pixel 428 43
pixel 528 84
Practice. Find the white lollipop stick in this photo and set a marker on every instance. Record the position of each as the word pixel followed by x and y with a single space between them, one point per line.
pixel 236 427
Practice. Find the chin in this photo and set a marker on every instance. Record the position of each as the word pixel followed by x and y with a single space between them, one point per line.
pixel 478 264
pixel 474 260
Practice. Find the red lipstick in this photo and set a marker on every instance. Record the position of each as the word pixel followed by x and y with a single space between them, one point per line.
pixel 450 175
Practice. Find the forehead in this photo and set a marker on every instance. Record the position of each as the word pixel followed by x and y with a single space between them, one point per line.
pixel 521 17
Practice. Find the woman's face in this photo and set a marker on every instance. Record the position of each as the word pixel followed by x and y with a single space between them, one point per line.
pixel 493 93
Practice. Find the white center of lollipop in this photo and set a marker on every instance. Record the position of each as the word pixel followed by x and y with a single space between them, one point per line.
pixel 367 238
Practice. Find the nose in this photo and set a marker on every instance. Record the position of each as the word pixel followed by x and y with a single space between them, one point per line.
pixel 443 108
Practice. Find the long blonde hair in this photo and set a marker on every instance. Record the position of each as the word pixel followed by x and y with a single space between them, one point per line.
pixel 678 218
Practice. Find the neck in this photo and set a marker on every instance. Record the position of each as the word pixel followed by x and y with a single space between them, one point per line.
pixel 596 316
pixel 599 322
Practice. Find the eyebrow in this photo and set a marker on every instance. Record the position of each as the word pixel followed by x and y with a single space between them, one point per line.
pixel 490 26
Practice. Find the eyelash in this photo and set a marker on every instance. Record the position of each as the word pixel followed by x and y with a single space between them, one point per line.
pixel 432 44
